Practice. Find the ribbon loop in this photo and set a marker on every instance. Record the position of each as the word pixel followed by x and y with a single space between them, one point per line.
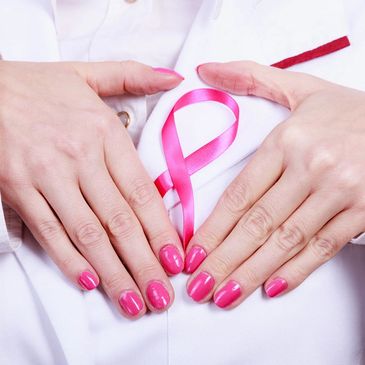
pixel 179 168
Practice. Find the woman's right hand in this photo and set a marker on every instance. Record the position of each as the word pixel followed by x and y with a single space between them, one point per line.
pixel 71 172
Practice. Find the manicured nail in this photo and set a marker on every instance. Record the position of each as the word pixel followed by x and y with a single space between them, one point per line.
pixel 194 258
pixel 206 63
pixel 88 280
pixel 201 286
pixel 169 72
pixel 158 295
pixel 197 67
pixel 171 259
pixel 276 287
pixel 131 302
pixel 228 294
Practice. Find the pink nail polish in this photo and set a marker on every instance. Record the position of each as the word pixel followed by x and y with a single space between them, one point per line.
pixel 158 295
pixel 197 67
pixel 88 280
pixel 171 259
pixel 276 287
pixel 228 294
pixel 201 286
pixel 204 64
pixel 169 72
pixel 131 302
pixel 194 258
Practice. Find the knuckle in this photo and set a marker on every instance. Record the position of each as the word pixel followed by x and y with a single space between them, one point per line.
pixel 120 225
pixel 322 159
pixel 158 237
pixel 243 81
pixel 349 178
pixel 12 179
pixel 89 235
pixel 143 193
pixel 250 82
pixel 73 148
pixel 221 265
pixel 128 64
pixel 297 274
pixel 145 272
pixel 49 230
pixel 105 121
pixel 290 134
pixel 67 263
pixel 250 275
pixel 113 283
pixel 235 199
pixel 324 248
pixel 289 236
pixel 223 82
pixel 258 223
pixel 42 163
pixel 207 238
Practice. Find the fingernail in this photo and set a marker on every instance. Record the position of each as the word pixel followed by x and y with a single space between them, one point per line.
pixel 158 295
pixel 169 72
pixel 88 280
pixel 276 287
pixel 228 294
pixel 206 63
pixel 201 286
pixel 171 259
pixel 194 258
pixel 131 302
pixel 197 68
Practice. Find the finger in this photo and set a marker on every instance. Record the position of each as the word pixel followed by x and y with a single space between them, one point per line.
pixel 50 234
pixel 142 195
pixel 261 172
pixel 126 235
pixel 321 248
pixel 88 235
pixel 289 239
pixel 251 232
pixel 249 78
pixel 116 78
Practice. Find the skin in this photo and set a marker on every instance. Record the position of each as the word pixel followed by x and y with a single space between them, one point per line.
pixel 285 216
pixel 70 170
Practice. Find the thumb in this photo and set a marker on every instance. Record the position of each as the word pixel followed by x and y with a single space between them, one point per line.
pixel 117 78
pixel 249 78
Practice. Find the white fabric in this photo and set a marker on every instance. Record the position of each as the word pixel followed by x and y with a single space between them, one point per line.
pixel 320 323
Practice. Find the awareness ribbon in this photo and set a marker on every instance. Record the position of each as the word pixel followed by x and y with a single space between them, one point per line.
pixel 180 168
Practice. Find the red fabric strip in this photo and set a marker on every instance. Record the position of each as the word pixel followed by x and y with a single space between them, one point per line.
pixel 323 50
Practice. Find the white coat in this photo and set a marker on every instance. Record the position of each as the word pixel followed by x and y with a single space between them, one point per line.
pixel 45 320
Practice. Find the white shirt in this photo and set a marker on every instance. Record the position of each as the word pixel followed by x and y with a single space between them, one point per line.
pixel 151 32
pixel 319 323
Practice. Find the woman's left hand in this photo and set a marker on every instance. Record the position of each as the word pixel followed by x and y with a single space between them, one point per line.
pixel 298 201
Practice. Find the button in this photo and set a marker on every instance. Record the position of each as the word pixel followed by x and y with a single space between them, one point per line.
pixel 124 118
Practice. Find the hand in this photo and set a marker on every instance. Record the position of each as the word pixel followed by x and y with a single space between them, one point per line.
pixel 70 170
pixel 298 201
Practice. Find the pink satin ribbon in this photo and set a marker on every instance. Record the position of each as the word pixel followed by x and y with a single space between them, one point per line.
pixel 180 168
